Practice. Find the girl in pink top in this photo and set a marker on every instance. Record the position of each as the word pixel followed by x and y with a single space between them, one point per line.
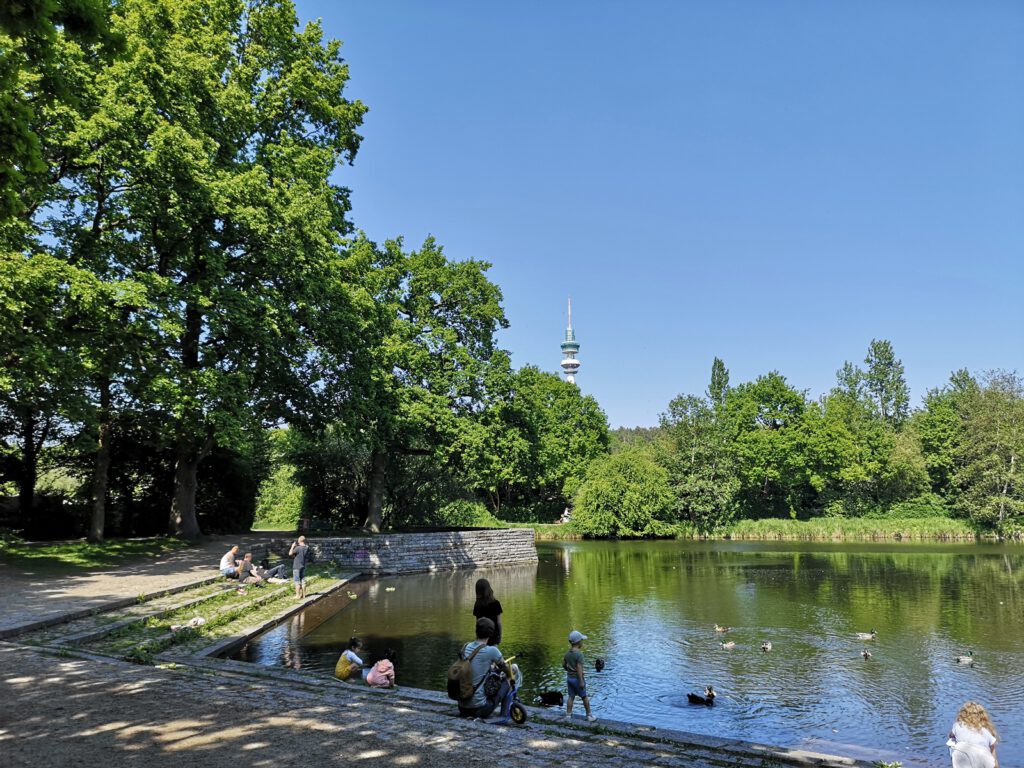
pixel 382 675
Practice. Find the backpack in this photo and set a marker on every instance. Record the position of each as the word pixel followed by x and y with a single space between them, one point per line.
pixel 492 681
pixel 460 677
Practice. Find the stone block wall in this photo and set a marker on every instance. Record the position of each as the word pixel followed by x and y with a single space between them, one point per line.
pixel 421 552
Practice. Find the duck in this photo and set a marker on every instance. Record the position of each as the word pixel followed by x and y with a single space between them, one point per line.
pixel 728 646
pixel 867 635
pixel 766 646
pixel 707 699
pixel 720 628
pixel 967 658
pixel 866 653
pixel 599 665
pixel 551 698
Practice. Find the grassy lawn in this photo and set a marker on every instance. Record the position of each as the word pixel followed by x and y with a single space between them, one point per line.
pixel 78 556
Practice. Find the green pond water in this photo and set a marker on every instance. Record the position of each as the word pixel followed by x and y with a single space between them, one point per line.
pixel 649 609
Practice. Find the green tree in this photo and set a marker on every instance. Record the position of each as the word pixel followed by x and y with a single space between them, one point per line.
pixel 39 367
pixel 421 370
pixel 884 383
pixel 942 428
pixel 719 386
pixel 625 494
pixel 235 120
pixel 532 441
pixel 991 451
pixel 700 456
pixel 764 421
pixel 41 52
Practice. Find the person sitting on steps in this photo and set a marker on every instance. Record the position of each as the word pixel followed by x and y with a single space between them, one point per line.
pixel 228 563
pixel 478 705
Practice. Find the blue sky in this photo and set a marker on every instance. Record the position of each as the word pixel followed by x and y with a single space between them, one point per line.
pixel 773 183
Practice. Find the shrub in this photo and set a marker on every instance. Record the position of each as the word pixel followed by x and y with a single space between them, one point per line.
pixel 279 501
pixel 626 494
pixel 467 514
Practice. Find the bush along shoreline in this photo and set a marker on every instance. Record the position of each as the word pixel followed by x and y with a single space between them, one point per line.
pixel 833 529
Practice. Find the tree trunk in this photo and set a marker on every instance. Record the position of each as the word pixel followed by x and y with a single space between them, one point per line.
pixel 183 521
pixel 186 466
pixel 1006 489
pixel 29 466
pixel 101 468
pixel 374 512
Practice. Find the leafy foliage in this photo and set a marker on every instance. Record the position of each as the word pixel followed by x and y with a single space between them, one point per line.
pixel 624 495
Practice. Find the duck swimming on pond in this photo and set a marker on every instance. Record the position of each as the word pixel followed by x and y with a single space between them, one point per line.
pixel 867 635
pixel 766 646
pixel 728 646
pixel 966 659
pixel 720 628
pixel 707 699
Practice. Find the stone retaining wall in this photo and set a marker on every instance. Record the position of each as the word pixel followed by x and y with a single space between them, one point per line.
pixel 422 552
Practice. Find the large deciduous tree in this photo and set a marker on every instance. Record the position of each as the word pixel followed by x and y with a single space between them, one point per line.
pixel 533 440
pixel 230 120
pixel 884 383
pixel 421 372
pixel 992 450
pixel 699 456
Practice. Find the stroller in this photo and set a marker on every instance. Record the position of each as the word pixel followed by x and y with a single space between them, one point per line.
pixel 506 688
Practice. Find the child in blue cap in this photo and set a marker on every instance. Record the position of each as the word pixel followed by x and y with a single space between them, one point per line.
pixel 572 662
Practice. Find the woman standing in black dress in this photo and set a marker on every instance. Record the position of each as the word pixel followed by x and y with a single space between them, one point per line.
pixel 487 607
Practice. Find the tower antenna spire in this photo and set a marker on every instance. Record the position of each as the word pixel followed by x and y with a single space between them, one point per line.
pixel 570 348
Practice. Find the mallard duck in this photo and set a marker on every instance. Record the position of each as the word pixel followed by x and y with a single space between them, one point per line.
pixel 728 646
pixel 766 646
pixel 720 628
pixel 866 653
pixel 867 635
pixel 966 659
pixel 707 699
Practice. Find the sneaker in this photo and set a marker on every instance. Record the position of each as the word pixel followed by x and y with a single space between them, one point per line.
pixel 591 718
pixel 568 715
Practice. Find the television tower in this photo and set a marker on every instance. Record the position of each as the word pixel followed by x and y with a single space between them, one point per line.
pixel 570 365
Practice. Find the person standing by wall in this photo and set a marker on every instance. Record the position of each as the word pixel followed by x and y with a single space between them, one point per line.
pixel 487 607
pixel 300 552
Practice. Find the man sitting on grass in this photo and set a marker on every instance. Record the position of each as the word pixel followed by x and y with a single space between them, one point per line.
pixel 228 563
pixel 248 573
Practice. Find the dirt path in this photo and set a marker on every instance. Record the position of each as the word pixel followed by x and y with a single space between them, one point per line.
pixel 27 597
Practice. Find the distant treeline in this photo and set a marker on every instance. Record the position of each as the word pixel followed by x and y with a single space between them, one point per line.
pixel 763 449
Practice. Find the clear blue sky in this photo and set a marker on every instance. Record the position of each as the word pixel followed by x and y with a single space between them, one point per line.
pixel 773 183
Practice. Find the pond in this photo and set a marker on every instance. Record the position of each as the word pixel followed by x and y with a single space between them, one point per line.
pixel 650 608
